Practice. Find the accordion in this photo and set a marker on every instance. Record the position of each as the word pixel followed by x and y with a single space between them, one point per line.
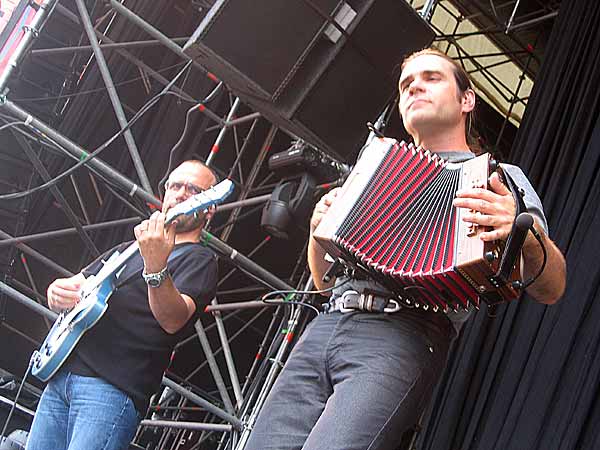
pixel 394 219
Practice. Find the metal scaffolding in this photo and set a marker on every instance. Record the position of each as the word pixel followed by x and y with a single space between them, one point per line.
pixel 223 417
pixel 499 46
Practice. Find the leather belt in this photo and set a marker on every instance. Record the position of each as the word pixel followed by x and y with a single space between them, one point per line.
pixel 368 301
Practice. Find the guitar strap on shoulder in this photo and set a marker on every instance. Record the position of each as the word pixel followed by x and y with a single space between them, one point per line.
pixel 174 254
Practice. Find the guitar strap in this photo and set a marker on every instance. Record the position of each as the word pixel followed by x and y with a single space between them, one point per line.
pixel 174 254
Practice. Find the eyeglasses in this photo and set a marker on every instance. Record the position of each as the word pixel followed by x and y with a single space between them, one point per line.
pixel 190 188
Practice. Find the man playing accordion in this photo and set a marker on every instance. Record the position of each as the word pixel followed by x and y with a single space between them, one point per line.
pixel 357 379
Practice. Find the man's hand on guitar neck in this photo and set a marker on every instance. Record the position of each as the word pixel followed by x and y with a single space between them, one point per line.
pixel 63 293
pixel 156 241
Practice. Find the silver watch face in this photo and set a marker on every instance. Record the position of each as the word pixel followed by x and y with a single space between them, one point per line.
pixel 154 281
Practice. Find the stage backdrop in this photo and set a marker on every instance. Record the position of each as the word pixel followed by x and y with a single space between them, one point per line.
pixel 528 378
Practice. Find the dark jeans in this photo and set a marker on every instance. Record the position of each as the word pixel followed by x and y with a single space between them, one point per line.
pixel 354 381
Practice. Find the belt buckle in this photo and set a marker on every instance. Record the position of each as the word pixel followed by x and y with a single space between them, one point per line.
pixel 367 303
pixel 342 308
pixel 392 309
pixel 364 302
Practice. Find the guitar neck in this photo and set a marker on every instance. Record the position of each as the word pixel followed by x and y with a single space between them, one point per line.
pixel 128 252
pixel 112 265
pixel 198 202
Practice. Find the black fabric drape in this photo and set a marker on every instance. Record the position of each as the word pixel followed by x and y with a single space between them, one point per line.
pixel 528 378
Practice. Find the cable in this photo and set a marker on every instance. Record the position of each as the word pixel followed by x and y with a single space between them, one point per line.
pixel 12 124
pixel 102 147
pixel 109 184
pixel 209 98
pixel 177 144
pixel 265 298
pixel 92 91
pixel 291 302
pixel 82 162
pixel 295 291
pixel 18 394
pixel 538 237
pixel 52 145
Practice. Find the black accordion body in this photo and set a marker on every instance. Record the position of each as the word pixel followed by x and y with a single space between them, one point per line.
pixel 394 219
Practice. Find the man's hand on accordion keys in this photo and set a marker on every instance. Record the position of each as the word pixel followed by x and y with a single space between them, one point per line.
pixel 322 207
pixel 494 208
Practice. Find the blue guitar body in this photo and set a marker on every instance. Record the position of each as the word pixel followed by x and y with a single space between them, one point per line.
pixel 97 289
pixel 68 329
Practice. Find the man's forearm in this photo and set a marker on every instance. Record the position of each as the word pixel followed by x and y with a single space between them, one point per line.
pixel 168 306
pixel 317 264
pixel 550 285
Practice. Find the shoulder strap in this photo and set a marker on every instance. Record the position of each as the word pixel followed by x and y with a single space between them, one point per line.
pixel 174 254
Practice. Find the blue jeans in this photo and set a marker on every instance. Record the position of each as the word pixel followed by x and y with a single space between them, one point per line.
pixel 354 381
pixel 82 413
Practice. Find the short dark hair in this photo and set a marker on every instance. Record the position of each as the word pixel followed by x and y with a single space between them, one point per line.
pixel 463 83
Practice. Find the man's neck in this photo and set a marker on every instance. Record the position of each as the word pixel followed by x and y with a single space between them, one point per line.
pixel 188 236
pixel 443 141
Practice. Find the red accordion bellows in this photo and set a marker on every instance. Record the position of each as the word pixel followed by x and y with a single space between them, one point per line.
pixel 395 219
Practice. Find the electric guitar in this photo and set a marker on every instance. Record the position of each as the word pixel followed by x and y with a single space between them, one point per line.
pixel 96 290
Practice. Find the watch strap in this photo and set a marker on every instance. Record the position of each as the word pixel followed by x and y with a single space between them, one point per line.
pixel 174 254
pixel 157 278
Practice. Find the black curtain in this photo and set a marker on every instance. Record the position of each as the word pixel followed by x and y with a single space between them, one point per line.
pixel 528 377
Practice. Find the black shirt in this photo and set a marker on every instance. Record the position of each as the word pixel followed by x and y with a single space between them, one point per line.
pixel 127 347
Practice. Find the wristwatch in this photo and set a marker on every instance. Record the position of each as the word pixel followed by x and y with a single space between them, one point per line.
pixel 154 280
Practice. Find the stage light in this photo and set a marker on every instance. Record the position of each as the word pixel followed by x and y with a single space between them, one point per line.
pixel 289 207
pixel 302 157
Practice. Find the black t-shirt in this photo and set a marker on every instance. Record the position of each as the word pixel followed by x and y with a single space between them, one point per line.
pixel 127 347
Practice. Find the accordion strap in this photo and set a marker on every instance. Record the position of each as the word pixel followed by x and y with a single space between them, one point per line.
pixel 521 224
pixel 517 193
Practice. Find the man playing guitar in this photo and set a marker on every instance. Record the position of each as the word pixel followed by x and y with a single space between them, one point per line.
pixel 99 394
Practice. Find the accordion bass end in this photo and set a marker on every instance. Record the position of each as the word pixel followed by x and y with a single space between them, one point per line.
pixel 394 219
